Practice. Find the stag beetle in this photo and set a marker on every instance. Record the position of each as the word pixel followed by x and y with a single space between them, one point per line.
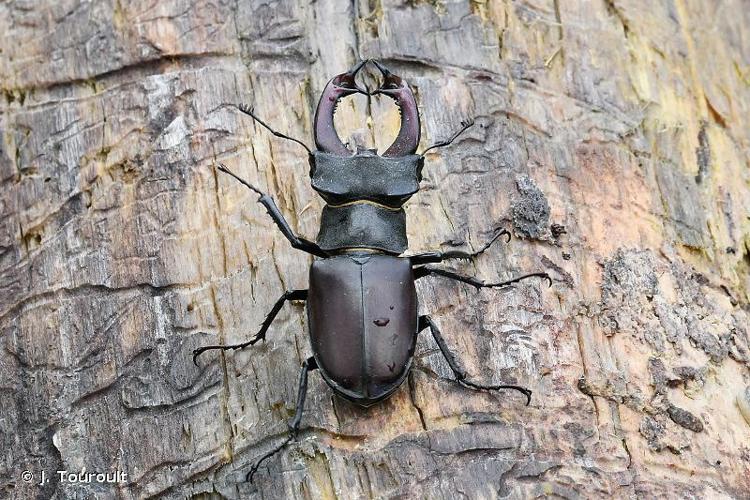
pixel 362 302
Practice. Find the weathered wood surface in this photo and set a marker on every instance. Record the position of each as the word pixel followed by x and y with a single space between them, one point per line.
pixel 613 138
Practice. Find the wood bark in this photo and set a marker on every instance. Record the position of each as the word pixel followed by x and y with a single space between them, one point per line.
pixel 612 138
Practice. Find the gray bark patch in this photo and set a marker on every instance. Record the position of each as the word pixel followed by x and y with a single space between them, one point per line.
pixel 702 154
pixel 684 418
pixel 683 205
pixel 530 211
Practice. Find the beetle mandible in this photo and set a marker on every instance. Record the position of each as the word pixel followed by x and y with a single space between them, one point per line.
pixel 361 302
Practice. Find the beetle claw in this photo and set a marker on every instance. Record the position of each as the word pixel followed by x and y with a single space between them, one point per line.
pixel 233 347
pixel 396 88
pixel 197 352
pixel 527 392
pixel 338 87
pixel 354 72
pixel 256 466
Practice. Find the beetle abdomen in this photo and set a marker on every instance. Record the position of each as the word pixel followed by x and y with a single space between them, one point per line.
pixel 362 315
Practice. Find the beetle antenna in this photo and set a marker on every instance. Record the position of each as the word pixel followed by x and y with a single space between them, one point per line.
pixel 224 169
pixel 249 111
pixel 464 125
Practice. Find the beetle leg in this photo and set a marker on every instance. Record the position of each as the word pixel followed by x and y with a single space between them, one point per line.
pixel 249 111
pixel 261 335
pixel 423 271
pixel 426 322
pixel 434 257
pixel 464 125
pixel 309 365
pixel 265 200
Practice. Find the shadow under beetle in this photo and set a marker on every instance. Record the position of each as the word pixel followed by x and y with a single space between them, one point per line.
pixel 362 302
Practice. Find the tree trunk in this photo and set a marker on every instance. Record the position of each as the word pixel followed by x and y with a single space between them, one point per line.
pixel 611 137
